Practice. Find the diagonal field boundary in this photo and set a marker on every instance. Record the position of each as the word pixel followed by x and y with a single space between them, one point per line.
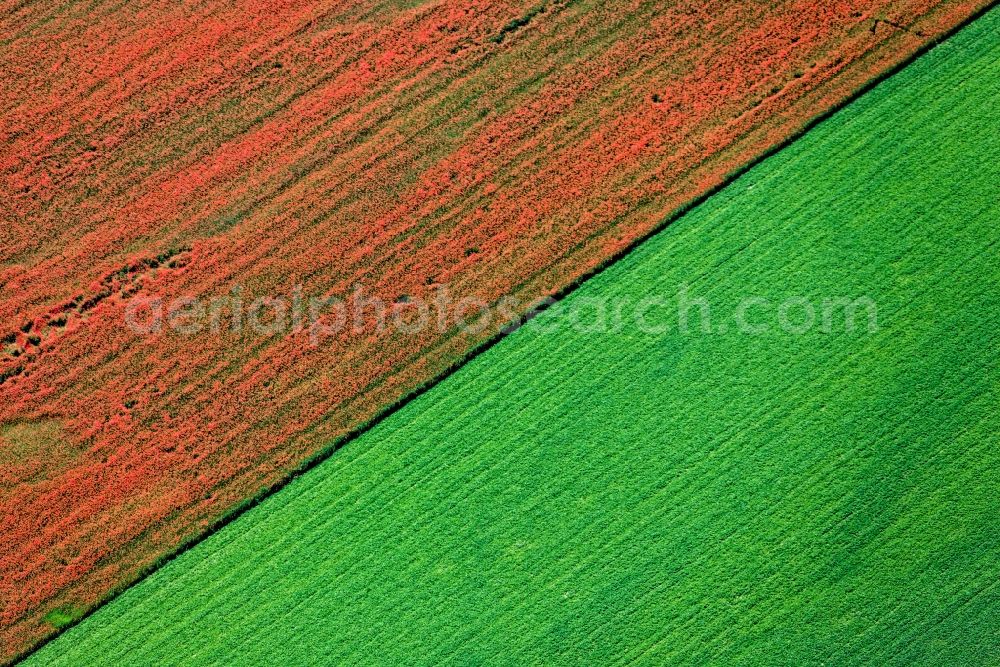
pixel 613 495
pixel 569 289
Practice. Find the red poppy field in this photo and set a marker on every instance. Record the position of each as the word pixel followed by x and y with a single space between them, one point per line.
pixel 161 151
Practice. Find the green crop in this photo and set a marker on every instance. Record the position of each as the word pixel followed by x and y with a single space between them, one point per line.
pixel 824 496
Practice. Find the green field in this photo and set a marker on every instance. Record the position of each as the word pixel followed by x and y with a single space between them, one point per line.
pixel 823 497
